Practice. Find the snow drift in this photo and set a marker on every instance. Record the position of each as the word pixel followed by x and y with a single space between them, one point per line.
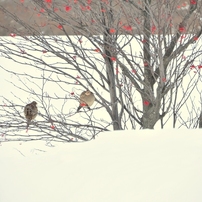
pixel 142 166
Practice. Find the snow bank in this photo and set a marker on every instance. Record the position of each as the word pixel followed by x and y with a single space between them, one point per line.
pixel 123 166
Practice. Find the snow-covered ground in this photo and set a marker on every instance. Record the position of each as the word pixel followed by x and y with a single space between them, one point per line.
pixel 123 166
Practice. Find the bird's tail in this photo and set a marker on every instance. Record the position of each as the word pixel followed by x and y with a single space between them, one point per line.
pixel 28 122
pixel 79 108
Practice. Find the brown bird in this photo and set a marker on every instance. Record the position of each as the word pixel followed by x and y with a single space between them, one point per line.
pixel 30 112
pixel 87 99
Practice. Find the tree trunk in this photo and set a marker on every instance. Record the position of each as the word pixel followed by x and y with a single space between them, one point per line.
pixel 150 117
pixel 200 120
pixel 110 51
pixel 149 111
pixel 113 96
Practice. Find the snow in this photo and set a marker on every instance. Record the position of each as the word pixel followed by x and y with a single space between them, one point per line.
pixel 139 165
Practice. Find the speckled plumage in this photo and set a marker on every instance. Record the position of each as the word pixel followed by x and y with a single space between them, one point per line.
pixel 30 112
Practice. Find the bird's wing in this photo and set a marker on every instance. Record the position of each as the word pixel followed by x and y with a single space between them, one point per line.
pixel 35 112
pixel 90 99
pixel 83 94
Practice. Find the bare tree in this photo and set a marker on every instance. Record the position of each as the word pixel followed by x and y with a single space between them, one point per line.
pixel 187 109
pixel 124 51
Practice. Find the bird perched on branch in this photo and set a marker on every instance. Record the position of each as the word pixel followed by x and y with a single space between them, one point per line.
pixel 87 99
pixel 30 112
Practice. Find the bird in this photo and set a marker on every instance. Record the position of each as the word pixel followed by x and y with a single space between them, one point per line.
pixel 87 99
pixel 30 112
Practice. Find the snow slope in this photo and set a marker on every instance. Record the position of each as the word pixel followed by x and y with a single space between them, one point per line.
pixel 123 166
